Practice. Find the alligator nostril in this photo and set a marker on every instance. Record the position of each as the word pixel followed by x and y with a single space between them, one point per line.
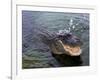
pixel 77 40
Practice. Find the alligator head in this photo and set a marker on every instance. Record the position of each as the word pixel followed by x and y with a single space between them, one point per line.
pixel 67 44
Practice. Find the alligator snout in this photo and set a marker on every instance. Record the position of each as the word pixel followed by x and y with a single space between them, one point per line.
pixel 70 39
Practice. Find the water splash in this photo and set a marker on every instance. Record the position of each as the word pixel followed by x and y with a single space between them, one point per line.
pixel 70 28
pixel 72 25
pixel 62 32
pixel 71 22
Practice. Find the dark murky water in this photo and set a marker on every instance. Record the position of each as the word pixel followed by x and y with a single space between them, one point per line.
pixel 35 53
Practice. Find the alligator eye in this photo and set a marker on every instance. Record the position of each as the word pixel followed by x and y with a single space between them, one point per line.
pixel 69 35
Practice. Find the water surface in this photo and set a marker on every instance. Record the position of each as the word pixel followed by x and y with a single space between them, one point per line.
pixel 36 54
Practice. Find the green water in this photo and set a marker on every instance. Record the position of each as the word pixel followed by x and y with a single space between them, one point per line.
pixel 36 54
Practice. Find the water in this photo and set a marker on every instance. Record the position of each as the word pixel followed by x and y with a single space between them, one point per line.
pixel 36 54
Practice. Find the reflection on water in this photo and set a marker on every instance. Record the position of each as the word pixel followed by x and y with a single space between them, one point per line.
pixel 66 60
pixel 35 53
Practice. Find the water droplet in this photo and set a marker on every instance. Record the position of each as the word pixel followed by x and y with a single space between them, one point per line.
pixel 71 22
pixel 73 26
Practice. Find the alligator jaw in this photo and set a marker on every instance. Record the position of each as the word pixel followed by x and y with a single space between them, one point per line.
pixel 61 48
pixel 73 51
